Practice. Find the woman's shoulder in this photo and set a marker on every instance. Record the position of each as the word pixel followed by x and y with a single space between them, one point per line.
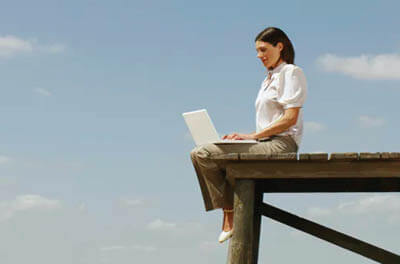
pixel 292 69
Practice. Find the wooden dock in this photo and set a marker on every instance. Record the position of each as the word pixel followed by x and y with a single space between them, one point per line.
pixel 256 174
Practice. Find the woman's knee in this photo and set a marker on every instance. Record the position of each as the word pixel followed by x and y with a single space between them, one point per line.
pixel 199 153
pixel 204 151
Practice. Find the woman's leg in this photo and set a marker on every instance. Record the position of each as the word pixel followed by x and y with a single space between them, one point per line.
pixel 281 144
pixel 217 191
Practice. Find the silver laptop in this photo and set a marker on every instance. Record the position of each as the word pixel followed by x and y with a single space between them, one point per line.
pixel 203 130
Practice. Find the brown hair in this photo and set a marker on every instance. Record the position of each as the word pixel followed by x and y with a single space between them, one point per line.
pixel 274 35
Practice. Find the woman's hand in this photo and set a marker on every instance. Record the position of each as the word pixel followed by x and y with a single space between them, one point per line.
pixel 239 136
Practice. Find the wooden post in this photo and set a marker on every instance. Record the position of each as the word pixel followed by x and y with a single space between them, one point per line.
pixel 258 201
pixel 241 244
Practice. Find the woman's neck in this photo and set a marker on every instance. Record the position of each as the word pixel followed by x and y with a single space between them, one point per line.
pixel 279 62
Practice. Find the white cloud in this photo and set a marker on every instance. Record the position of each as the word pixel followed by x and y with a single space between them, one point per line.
pixel 384 206
pixel 42 91
pixel 113 248
pixel 373 67
pixel 124 202
pixel 4 159
pixel 369 121
pixel 82 207
pixel 313 127
pixel 26 203
pixel 159 224
pixel 12 45
pixel 318 212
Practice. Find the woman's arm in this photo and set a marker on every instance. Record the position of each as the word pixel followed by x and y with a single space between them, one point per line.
pixel 288 119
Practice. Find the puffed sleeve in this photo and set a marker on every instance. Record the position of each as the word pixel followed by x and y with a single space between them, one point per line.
pixel 293 90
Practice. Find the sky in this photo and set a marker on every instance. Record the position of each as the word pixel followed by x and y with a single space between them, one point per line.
pixel 94 152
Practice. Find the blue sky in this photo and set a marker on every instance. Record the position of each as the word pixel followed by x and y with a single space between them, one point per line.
pixel 94 153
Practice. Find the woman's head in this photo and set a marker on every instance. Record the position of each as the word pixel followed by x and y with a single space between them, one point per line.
pixel 273 46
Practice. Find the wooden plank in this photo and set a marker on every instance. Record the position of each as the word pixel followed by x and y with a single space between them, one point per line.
pixel 330 185
pixel 394 155
pixel 318 156
pixel 304 156
pixel 258 200
pixel 275 156
pixel 253 156
pixel 347 156
pixel 369 156
pixel 340 239
pixel 241 244
pixel 313 170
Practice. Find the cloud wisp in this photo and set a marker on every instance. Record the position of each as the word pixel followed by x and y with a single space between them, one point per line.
pixel 4 159
pixel 385 206
pixel 369 67
pixel 370 121
pixel 11 45
pixel 42 91
pixel 313 127
pixel 26 203
pixel 159 224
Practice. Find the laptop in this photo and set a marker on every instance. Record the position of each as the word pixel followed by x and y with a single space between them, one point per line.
pixel 203 130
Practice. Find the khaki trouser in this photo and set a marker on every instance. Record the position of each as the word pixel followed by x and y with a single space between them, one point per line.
pixel 216 190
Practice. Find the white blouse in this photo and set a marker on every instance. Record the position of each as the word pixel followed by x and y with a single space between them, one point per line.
pixel 286 89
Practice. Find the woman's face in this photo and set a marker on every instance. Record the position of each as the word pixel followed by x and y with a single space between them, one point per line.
pixel 268 54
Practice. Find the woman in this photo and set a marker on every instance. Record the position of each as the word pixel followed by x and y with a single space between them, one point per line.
pixel 279 123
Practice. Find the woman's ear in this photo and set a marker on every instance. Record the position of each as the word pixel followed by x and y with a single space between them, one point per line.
pixel 280 46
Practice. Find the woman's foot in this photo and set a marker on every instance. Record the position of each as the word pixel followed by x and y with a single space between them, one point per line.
pixel 228 220
pixel 227 227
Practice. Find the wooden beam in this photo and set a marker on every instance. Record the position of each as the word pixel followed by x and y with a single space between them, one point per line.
pixel 241 244
pixel 329 185
pixel 292 156
pixel 330 235
pixel 258 201
pixel 309 170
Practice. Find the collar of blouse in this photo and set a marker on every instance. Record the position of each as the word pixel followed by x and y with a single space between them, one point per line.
pixel 277 69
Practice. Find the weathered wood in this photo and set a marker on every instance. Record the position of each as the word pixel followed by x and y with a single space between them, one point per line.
pixel 330 235
pixel 304 156
pixel 275 156
pixel 394 155
pixel 329 185
pixel 318 156
pixel 255 174
pixel 310 170
pixel 348 156
pixel 258 200
pixel 241 244
pixel 369 156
